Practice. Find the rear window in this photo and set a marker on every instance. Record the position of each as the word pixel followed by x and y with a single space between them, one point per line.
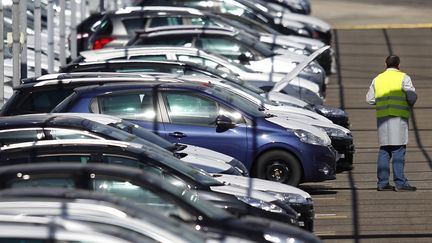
pixel 36 101
pixel 134 24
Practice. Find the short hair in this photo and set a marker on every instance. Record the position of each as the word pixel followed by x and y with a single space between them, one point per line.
pixel 392 61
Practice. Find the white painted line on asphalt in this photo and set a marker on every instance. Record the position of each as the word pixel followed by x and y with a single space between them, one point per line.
pixel 382 26
pixel 324 198
pixel 324 233
pixel 329 216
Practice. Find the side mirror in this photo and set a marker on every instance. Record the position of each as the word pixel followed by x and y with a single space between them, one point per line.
pixel 244 59
pixel 224 123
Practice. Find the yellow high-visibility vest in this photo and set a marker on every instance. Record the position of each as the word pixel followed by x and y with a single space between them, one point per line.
pixel 390 99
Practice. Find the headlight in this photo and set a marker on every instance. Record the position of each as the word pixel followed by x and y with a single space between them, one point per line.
pixel 299 51
pixel 330 111
pixel 303 32
pixel 334 132
pixel 261 204
pixel 289 197
pixel 307 137
pixel 239 166
pixel 280 238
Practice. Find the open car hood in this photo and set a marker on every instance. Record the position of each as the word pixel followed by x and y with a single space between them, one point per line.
pixel 291 75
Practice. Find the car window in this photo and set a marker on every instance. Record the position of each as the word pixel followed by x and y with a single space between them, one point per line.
pixel 137 194
pixel 20 135
pixel 26 181
pixel 60 134
pixel 39 101
pixel 188 108
pixel 165 21
pixel 175 40
pixel 137 105
pixel 133 24
pixel 198 60
pixel 203 21
pixel 223 46
pixel 157 171
pixel 149 57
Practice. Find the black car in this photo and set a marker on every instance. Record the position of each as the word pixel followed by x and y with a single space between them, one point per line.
pixel 42 94
pixel 244 8
pixel 149 159
pixel 97 212
pixel 146 190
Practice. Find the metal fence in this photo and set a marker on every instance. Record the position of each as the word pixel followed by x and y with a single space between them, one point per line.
pixel 35 36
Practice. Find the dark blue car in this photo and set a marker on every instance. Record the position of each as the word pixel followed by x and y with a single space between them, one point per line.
pixel 206 116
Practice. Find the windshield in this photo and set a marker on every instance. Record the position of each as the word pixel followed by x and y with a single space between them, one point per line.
pixel 143 134
pixel 255 44
pixel 107 131
pixel 262 100
pixel 196 175
pixel 236 100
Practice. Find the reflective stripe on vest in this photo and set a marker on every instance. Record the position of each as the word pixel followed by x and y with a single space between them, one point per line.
pixel 389 97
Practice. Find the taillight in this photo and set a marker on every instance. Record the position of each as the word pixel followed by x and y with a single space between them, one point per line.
pixel 100 43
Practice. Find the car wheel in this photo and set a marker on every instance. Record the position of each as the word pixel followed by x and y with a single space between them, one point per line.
pixel 279 166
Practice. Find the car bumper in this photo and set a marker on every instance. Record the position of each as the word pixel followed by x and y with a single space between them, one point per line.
pixel 346 149
pixel 306 214
pixel 319 163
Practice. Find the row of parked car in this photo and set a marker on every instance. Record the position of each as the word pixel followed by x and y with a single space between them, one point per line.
pixel 181 121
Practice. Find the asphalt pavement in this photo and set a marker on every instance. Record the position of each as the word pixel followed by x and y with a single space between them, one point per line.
pixel 349 209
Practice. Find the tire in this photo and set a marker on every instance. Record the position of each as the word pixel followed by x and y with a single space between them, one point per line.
pixel 279 166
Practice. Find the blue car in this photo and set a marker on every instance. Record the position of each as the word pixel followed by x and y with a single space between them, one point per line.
pixel 270 147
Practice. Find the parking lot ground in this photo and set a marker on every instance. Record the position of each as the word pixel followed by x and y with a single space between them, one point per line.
pixel 349 209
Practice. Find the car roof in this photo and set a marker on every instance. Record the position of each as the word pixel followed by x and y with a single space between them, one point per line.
pixel 153 10
pixel 52 119
pixel 142 85
pixel 65 143
pixel 63 76
pixel 186 30
pixel 93 80
pixel 113 63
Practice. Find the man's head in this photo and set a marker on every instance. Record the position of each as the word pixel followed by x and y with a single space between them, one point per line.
pixel 392 61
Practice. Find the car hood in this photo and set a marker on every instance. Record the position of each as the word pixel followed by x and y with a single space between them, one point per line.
pixel 277 63
pixel 289 78
pixel 284 98
pixel 276 77
pixel 292 124
pixel 260 184
pixel 207 164
pixel 296 113
pixel 280 40
pixel 241 191
pixel 303 40
pixel 206 153
pixel 313 22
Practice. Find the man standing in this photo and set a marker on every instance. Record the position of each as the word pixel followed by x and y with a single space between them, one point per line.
pixel 393 94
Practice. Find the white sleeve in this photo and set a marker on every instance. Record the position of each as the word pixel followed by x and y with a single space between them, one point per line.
pixel 370 96
pixel 408 87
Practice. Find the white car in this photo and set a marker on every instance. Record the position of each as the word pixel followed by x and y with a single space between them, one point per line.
pixel 297 87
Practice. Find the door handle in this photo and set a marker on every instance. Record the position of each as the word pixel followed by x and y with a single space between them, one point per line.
pixel 177 134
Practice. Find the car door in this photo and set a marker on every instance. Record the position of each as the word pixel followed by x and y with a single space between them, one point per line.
pixel 190 117
pixel 138 107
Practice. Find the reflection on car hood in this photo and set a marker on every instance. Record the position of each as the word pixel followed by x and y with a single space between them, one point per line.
pixel 241 191
pixel 207 164
pixel 305 19
pixel 206 153
pixel 291 124
pixel 295 113
pixel 260 184
pixel 284 98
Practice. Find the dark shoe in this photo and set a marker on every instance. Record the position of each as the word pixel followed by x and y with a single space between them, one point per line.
pixel 386 188
pixel 341 167
pixel 406 188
